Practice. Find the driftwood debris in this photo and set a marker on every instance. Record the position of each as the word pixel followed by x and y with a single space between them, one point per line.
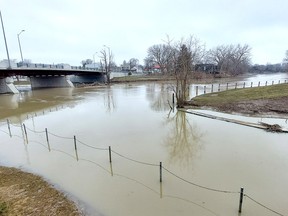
pixel 261 125
pixel 272 127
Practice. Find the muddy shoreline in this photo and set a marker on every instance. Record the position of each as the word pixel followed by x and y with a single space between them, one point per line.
pixel 276 107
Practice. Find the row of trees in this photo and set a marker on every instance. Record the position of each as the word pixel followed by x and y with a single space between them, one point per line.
pixel 228 59
pixel 182 58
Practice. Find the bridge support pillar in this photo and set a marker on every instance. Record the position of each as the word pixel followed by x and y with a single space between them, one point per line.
pixel 50 82
pixel 7 86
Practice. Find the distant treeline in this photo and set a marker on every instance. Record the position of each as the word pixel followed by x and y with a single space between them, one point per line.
pixel 269 68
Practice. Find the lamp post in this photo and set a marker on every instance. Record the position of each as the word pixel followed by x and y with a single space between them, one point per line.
pixel 94 59
pixel 9 64
pixel 20 44
pixel 109 56
pixel 108 48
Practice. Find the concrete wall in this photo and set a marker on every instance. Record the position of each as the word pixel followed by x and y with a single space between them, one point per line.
pixel 6 86
pixel 50 82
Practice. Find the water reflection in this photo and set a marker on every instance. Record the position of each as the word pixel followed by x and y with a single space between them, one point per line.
pixel 158 96
pixel 183 140
pixel 109 100
pixel 17 107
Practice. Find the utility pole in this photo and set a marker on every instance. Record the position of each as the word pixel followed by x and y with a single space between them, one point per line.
pixel 9 64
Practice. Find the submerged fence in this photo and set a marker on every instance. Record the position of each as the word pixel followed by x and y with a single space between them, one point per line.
pixel 110 153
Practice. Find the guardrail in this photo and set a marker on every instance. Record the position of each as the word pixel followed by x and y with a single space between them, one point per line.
pixel 55 66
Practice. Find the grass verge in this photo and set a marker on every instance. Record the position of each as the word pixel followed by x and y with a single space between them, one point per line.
pixel 240 95
pixel 3 208
pixel 260 101
pixel 141 78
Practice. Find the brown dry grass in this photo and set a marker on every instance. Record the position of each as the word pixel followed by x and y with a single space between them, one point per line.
pixel 23 193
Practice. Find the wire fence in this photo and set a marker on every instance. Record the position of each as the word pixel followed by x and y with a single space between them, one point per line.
pixel 205 88
pixel 76 141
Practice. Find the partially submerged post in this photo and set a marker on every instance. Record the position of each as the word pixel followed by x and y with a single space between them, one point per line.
pixel 47 138
pixel 241 200
pixel 8 123
pixel 75 145
pixel 110 158
pixel 25 131
pixel 160 172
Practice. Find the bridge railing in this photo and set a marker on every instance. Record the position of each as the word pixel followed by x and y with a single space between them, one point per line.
pixel 55 66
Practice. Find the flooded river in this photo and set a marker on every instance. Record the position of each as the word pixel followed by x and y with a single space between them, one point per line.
pixel 205 162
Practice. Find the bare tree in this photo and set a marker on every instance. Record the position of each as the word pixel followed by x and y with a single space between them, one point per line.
pixel 160 55
pixel 231 59
pixel 285 61
pixel 148 63
pixel 182 71
pixel 86 62
pixel 106 61
pixel 184 54
pixel 133 62
pixel 286 56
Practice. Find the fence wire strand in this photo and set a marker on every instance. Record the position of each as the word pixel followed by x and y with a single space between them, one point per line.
pixel 14 125
pixel 136 161
pixel 62 137
pixel 97 148
pixel 34 130
pixel 263 205
pixel 200 186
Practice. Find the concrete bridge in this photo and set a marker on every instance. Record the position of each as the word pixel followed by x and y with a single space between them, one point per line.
pixel 49 77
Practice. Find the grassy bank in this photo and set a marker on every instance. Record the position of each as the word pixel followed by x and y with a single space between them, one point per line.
pixel 141 78
pixel 23 193
pixel 259 101
pixel 239 95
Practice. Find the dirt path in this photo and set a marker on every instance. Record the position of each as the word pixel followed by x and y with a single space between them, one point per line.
pixel 24 194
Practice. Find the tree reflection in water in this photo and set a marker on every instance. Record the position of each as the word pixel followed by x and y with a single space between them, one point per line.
pixel 109 101
pixel 158 95
pixel 183 141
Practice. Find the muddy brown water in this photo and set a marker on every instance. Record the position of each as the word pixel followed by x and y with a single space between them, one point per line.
pixel 205 161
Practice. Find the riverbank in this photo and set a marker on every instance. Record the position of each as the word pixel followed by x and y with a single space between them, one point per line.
pixel 142 78
pixel 268 100
pixel 197 76
pixel 24 193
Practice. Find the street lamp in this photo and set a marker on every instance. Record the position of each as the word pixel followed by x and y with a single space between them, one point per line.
pixel 9 64
pixel 20 45
pixel 94 58
pixel 108 48
pixel 109 55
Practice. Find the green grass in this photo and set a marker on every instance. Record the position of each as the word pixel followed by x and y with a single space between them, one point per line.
pixel 237 95
pixel 3 209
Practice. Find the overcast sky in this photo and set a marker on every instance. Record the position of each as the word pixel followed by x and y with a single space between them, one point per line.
pixel 68 31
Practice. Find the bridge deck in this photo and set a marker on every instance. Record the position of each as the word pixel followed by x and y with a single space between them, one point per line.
pixel 32 72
